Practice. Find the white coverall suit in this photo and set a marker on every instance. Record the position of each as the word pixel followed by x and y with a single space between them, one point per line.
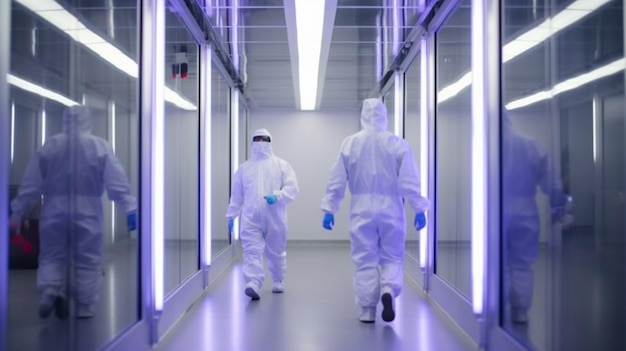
pixel 71 171
pixel 525 168
pixel 263 226
pixel 380 171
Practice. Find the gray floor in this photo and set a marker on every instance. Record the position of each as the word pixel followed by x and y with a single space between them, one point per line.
pixel 316 312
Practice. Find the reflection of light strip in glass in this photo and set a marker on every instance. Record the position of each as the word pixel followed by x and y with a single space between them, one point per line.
pixel 379 50
pixel 594 113
pixel 309 28
pixel 112 117
pixel 396 28
pixel 12 130
pixel 479 151
pixel 569 16
pixel 43 127
pixel 36 89
pixel 614 67
pixel 158 155
pixel 550 27
pixel 33 39
pixel 56 15
pixel 398 123
pixel 234 107
pixel 424 147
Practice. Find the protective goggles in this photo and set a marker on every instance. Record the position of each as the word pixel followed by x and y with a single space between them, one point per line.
pixel 261 138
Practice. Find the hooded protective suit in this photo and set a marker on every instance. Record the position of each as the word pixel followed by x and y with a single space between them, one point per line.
pixel 71 171
pixel 263 225
pixel 525 168
pixel 379 169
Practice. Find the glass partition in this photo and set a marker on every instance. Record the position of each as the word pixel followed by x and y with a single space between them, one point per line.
pixel 220 160
pixel 74 122
pixel 563 152
pixel 452 150
pixel 412 132
pixel 182 145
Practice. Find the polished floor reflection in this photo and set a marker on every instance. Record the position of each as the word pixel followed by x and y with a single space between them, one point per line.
pixel 115 311
pixel 316 312
pixel 578 297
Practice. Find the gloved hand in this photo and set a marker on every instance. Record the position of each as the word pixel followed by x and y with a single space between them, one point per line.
pixel 271 199
pixel 231 224
pixel 329 221
pixel 131 220
pixel 420 221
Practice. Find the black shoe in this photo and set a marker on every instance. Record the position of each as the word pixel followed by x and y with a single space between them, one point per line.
pixel 61 309
pixel 388 312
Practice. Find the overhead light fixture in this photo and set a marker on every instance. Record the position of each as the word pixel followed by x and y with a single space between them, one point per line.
pixel 309 28
pixel 55 14
pixel 573 13
pixel 614 67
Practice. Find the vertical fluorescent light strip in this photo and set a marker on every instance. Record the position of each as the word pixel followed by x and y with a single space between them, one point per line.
pixel 43 127
pixel 206 153
pixel 158 154
pixel 424 144
pixel 398 115
pixel 309 28
pixel 113 141
pixel 478 152
pixel 595 119
pixel 12 130
pixel 234 115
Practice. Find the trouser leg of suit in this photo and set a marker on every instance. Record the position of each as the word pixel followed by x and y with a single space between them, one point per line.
pixel 522 240
pixel 53 255
pixel 253 245
pixel 391 252
pixel 364 251
pixel 86 242
pixel 276 245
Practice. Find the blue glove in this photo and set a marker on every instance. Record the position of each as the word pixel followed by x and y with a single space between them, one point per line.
pixel 420 221
pixel 271 199
pixel 329 221
pixel 131 221
pixel 231 223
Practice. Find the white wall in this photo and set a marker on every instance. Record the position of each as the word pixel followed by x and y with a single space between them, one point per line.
pixel 310 142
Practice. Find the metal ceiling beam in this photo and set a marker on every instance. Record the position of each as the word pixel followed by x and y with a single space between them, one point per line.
pixel 194 16
pixel 430 20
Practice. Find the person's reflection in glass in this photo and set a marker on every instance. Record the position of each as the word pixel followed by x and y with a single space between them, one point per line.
pixel 71 171
pixel 525 167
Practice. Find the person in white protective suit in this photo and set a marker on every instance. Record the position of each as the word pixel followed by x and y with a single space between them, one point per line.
pixel 71 171
pixel 380 171
pixel 525 168
pixel 261 189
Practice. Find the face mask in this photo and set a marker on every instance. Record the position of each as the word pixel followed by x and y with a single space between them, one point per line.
pixel 261 149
